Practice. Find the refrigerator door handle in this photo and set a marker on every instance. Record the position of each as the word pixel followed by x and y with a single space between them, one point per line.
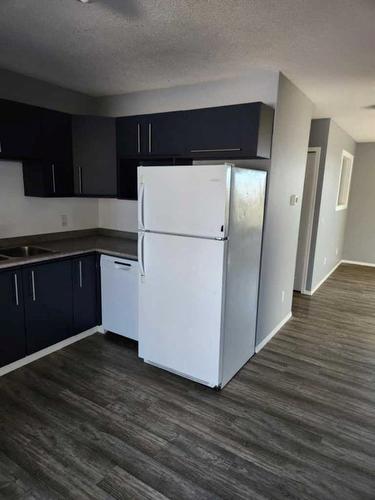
pixel 141 197
pixel 141 252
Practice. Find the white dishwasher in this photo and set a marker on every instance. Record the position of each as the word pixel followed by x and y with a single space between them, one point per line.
pixel 120 295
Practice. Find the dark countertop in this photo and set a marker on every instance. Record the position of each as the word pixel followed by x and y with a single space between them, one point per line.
pixel 75 243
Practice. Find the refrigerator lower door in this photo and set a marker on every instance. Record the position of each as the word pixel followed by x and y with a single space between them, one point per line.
pixel 180 305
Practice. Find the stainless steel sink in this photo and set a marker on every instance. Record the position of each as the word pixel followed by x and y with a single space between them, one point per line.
pixel 25 251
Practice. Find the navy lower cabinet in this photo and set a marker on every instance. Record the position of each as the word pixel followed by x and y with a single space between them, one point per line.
pixel 85 293
pixel 48 304
pixel 12 326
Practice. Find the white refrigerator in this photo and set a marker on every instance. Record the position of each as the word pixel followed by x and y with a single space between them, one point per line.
pixel 199 250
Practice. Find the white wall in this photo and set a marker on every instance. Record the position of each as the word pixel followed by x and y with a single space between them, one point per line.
pixel 20 215
pixel 288 164
pixel 328 238
pixel 360 229
pixel 118 214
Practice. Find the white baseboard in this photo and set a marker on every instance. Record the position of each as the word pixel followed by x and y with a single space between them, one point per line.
pixel 48 350
pixel 358 263
pixel 311 292
pixel 273 333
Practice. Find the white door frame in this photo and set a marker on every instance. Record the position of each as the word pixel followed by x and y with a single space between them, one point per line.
pixel 306 257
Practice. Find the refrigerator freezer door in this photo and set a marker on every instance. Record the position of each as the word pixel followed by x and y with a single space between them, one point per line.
pixel 180 305
pixel 186 200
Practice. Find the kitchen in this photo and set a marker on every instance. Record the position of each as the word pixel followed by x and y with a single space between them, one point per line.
pixel 96 272
pixel 155 160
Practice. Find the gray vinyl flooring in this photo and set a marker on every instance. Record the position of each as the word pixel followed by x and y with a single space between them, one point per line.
pixel 298 421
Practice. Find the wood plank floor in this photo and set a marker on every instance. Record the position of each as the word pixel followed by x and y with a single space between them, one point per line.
pixel 297 422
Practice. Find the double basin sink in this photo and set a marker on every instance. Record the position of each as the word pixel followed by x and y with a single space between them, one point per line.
pixel 22 252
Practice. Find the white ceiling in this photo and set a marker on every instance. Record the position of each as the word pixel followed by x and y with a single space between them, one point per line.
pixel 326 47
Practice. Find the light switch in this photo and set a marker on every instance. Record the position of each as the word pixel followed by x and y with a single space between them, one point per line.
pixel 293 200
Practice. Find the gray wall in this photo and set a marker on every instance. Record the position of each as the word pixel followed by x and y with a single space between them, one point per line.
pixel 22 88
pixel 258 85
pixel 329 223
pixel 288 164
pixel 360 229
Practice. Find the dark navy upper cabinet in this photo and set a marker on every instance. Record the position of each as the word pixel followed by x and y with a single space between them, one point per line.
pixel 157 134
pixel 85 293
pixel 132 136
pixel 12 327
pixel 20 128
pixel 56 136
pixel 94 156
pixel 48 304
pixel 167 134
pixel 238 131
pixel 43 178
pixel 51 175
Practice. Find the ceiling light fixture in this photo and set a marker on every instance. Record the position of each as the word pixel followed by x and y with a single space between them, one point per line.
pixel 84 1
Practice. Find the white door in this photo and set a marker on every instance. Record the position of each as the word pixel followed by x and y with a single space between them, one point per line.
pixel 307 218
pixel 188 200
pixel 180 299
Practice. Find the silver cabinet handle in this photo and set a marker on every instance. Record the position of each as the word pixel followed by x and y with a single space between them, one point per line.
pixel 80 274
pixel 53 178
pixel 150 138
pixel 33 285
pixel 214 150
pixel 142 205
pixel 16 290
pixel 80 183
pixel 138 137
pixel 141 238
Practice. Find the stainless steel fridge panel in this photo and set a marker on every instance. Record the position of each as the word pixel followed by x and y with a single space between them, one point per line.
pixel 246 215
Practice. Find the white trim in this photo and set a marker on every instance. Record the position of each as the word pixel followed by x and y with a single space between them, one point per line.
pixel 311 292
pixel 345 154
pixel 273 333
pixel 358 263
pixel 306 257
pixel 48 350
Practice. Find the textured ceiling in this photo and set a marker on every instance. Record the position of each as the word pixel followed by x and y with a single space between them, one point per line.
pixel 116 46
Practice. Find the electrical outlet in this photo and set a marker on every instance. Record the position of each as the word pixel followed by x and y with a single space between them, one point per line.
pixel 283 296
pixel 337 251
pixel 64 220
pixel 325 260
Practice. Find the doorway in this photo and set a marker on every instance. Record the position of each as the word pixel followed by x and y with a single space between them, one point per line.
pixel 307 219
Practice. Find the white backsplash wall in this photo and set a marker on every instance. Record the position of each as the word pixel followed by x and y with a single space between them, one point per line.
pixel 21 216
pixel 118 214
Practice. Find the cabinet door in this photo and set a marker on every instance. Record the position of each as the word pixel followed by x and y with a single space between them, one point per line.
pixel 48 304
pixel 45 178
pixel 56 136
pixel 12 325
pixel 52 174
pixel 94 156
pixel 132 136
pixel 167 133
pixel 243 130
pixel 215 130
pixel 20 126
pixel 85 293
